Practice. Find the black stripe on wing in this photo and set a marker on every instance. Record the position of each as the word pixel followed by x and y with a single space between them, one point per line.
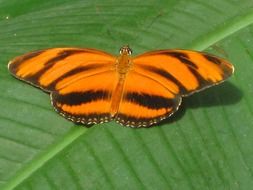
pixel 146 121
pixel 71 73
pixel 213 59
pixel 75 99
pixel 184 58
pixel 202 82
pixel 163 73
pixel 78 98
pixel 51 62
pixel 14 64
pixel 149 101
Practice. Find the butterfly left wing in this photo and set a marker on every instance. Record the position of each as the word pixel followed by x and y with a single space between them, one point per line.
pixel 80 81
pixel 157 80
pixel 182 71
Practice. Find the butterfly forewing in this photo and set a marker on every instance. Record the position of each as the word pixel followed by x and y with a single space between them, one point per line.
pixel 48 68
pixel 183 71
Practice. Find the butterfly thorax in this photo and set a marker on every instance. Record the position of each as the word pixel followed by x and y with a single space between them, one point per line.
pixel 123 63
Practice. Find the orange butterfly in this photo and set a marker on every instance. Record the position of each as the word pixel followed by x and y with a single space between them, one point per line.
pixel 90 86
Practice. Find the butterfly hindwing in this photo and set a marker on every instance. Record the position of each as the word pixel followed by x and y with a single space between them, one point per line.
pixel 183 71
pixel 145 101
pixel 87 100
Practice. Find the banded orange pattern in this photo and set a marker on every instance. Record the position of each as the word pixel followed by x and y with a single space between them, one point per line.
pixel 91 86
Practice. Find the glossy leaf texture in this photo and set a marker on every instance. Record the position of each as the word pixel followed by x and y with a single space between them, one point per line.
pixel 205 145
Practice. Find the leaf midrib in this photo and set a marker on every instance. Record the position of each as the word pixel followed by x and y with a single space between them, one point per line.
pixel 233 25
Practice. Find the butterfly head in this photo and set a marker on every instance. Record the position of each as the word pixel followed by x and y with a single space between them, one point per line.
pixel 125 50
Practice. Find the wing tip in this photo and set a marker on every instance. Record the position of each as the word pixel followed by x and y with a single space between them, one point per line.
pixel 228 69
pixel 11 67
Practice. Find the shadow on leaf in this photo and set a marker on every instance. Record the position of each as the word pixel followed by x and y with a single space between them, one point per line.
pixel 223 94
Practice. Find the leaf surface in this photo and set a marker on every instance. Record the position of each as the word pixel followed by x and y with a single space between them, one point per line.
pixel 207 144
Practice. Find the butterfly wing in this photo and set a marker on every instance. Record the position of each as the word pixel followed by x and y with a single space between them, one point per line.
pixel 182 71
pixel 87 100
pixel 145 101
pixel 47 68
pixel 158 79
pixel 80 81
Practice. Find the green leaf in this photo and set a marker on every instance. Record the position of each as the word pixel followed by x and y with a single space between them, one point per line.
pixel 207 144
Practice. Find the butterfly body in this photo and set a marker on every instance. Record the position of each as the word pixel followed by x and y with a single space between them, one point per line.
pixel 90 86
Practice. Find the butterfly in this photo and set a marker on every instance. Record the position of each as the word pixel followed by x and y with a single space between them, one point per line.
pixel 90 86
